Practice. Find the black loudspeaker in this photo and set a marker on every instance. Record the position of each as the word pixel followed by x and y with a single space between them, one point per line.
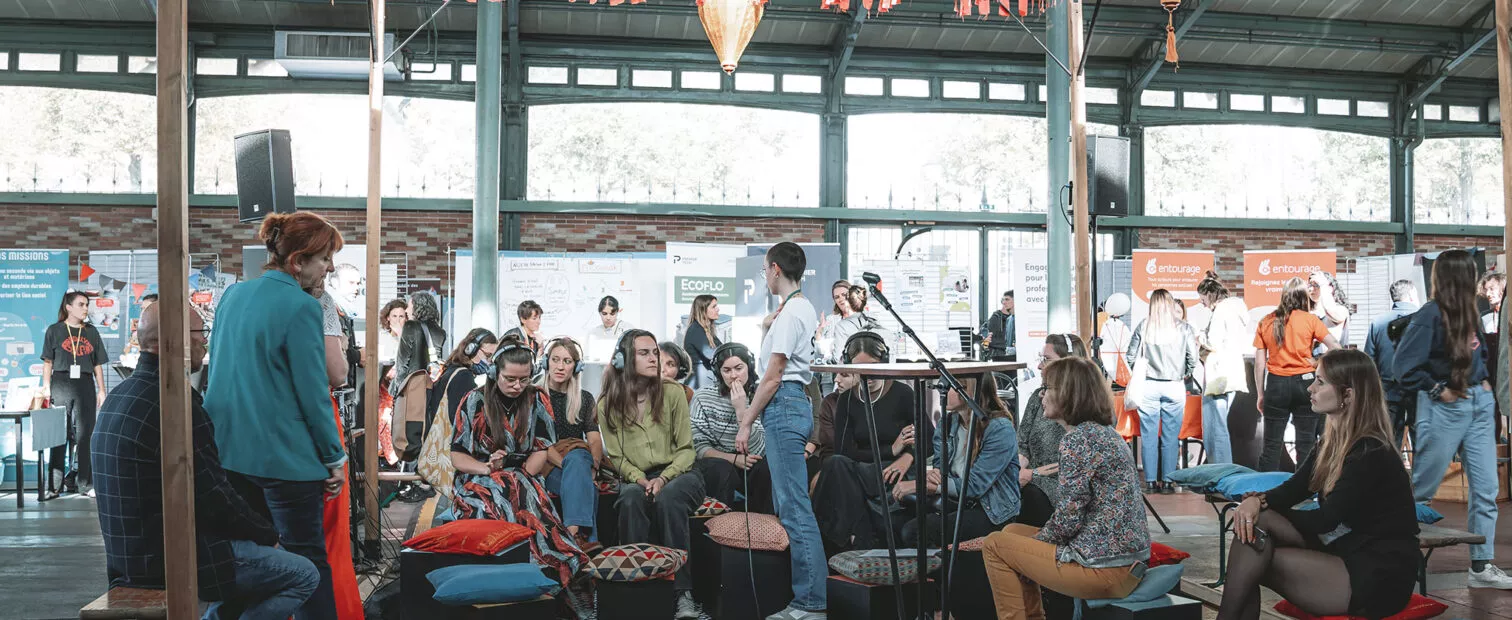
pixel 264 174
pixel 1108 175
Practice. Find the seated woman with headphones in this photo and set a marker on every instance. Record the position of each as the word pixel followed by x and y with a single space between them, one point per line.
pixel 989 499
pixel 717 411
pixel 676 366
pixel 500 461
pixel 850 492
pixel 649 440
pixel 465 370
pixel 579 449
pixel 1039 440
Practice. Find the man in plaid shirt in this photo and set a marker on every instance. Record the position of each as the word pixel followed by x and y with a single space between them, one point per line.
pixel 239 567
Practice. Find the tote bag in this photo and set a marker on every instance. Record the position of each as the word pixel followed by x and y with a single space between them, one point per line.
pixel 435 465
pixel 1134 392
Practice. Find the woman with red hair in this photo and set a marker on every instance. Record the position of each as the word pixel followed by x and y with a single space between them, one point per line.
pixel 269 392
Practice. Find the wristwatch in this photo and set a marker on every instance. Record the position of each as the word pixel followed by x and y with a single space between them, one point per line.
pixel 1438 390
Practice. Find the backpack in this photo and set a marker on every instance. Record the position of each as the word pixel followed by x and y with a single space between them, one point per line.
pixel 1398 326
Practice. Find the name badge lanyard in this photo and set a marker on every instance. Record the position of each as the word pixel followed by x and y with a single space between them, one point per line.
pixel 74 372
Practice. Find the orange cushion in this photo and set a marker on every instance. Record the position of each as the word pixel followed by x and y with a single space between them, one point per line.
pixel 1191 419
pixel 1161 555
pixel 1417 608
pixel 470 537
pixel 766 532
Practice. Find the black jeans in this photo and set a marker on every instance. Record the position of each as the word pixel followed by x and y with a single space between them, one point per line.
pixel 77 397
pixel 662 520
pixel 297 511
pixel 849 502
pixel 1034 506
pixel 1403 418
pixel 1287 398
pixel 974 524
pixel 722 479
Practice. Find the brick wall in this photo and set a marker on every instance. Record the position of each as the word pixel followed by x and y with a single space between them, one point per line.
pixel 1438 243
pixel 425 235
pixel 627 233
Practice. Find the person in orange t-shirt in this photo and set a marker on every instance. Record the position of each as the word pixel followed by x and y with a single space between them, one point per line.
pixel 1284 368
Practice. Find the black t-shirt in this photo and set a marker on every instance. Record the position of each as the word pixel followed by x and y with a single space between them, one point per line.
pixel 454 384
pixel 565 429
pixel 65 346
pixel 894 411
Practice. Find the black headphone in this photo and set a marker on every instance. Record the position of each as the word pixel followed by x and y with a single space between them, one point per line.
pixel 684 362
pixel 621 353
pixel 475 344
pixel 735 349
pixel 845 355
pixel 494 365
pixel 577 354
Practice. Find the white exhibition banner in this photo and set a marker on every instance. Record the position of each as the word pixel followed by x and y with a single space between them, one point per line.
pixel 1031 310
pixel 568 286
pixel 694 269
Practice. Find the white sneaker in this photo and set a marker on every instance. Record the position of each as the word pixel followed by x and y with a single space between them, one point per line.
pixel 1492 577
pixel 686 608
pixel 793 613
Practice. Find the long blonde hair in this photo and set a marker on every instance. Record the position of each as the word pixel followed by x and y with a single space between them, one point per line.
pixel 573 387
pixel 1364 415
pixel 1165 317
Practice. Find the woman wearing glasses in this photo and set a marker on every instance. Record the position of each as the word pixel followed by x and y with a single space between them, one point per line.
pixel 1039 440
pixel 501 462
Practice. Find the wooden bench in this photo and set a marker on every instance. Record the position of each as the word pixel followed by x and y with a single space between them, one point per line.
pixel 1431 537
pixel 127 604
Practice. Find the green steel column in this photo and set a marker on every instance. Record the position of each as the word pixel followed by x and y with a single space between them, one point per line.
pixel 832 160
pixel 1058 112
pixel 1401 192
pixel 1127 238
pixel 488 106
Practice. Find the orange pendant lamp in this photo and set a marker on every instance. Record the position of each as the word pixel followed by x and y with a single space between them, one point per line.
pixel 729 25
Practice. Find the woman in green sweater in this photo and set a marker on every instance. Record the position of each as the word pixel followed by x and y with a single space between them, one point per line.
pixel 648 438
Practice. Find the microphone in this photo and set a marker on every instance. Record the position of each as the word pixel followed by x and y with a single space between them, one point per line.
pixel 871 278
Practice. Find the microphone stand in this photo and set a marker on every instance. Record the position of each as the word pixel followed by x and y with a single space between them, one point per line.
pixel 921 421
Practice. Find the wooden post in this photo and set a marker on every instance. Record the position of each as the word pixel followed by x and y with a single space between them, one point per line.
pixel 176 425
pixel 1086 306
pixel 1504 80
pixel 374 245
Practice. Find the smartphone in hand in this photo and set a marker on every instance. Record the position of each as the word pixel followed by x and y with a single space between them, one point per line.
pixel 1260 539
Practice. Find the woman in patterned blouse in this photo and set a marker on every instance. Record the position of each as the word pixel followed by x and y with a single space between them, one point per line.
pixel 1039 440
pixel 1095 544
pixel 501 461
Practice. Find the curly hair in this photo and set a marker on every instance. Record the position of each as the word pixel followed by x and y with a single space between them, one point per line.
pixel 425 308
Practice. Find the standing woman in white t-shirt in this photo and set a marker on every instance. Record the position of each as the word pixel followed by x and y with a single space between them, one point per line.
pixel 1224 341
pixel 788 418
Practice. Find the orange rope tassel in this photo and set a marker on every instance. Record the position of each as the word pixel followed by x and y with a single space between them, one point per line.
pixel 1023 8
pixel 1171 56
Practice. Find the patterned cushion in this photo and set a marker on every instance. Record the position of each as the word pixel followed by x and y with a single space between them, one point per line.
pixel 1161 555
pixel 711 508
pixel 638 562
pixel 877 570
pixel 729 529
pixel 1418 607
pixel 972 546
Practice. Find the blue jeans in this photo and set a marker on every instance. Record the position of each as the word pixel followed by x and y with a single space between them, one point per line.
pixel 1160 413
pixel 297 510
pixel 573 481
pixel 788 420
pixel 1466 427
pixel 270 584
pixel 1215 433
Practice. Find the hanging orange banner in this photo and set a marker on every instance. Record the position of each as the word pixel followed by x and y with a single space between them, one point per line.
pixel 1178 271
pixel 1265 271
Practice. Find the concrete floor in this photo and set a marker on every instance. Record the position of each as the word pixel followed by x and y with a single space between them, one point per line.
pixel 52 561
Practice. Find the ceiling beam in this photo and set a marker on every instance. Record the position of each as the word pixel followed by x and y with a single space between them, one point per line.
pixel 1157 60
pixel 1469 49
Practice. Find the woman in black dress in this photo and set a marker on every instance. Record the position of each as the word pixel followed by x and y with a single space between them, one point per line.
pixel 1356 554
pixel 73 376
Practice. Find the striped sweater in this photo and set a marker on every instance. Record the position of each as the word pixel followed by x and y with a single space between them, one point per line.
pixel 715 425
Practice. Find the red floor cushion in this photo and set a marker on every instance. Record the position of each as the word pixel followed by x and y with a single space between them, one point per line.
pixel 766 532
pixel 1161 555
pixel 470 537
pixel 1418 607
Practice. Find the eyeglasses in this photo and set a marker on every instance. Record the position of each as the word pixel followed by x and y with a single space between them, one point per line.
pixel 205 331
pixel 514 381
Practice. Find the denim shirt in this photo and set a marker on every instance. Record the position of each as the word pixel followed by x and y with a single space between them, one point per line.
pixel 1422 357
pixel 1379 347
pixel 994 476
